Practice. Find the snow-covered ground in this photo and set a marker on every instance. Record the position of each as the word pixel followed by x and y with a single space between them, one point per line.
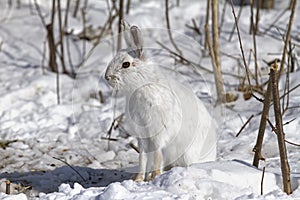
pixel 61 151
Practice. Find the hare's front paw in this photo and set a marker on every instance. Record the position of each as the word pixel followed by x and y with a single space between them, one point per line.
pixel 139 177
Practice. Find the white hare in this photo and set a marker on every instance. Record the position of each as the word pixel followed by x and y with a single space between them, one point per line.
pixel 171 124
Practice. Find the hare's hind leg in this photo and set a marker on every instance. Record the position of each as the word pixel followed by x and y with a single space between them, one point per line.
pixel 158 163
pixel 142 167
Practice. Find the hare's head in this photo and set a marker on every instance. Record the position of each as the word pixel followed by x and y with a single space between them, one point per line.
pixel 126 66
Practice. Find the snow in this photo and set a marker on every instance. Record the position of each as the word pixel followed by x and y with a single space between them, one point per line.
pixel 60 151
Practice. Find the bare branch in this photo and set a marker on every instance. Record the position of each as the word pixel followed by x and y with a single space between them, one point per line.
pixel 262 126
pixel 262 181
pixel 285 168
pixel 242 128
pixel 242 51
pixel 288 37
pixel 40 13
pixel 169 27
pixel 70 167
pixel 121 10
pixel 238 18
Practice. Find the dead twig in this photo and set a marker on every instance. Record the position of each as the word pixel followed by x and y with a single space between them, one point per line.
pixel 110 139
pixel 7 189
pixel 292 143
pixel 242 128
pixel 61 38
pixel 287 37
pixel 194 27
pixel 238 18
pixel 275 131
pixel 286 123
pixel 76 8
pixel 262 181
pixel 207 22
pixel 276 20
pixel 5 143
pixel 107 25
pixel 121 14
pixel 291 90
pixel 169 27
pixel 134 147
pixel 285 105
pixel 242 51
pixel 70 167
pixel 114 125
pixel 254 30
pixel 184 59
pixel 223 17
pixel 101 97
pixel 37 7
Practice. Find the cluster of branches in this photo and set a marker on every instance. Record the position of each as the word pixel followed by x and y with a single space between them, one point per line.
pixel 59 36
pixel 276 70
pixel 272 93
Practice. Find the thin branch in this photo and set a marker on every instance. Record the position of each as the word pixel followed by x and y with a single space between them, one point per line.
pixel 66 15
pixel 275 131
pixel 262 181
pixel 223 16
pixel 194 27
pixel 207 22
pixel 291 90
pixel 128 6
pixel 61 37
pixel 292 143
pixel 243 127
pixel 76 8
pixel 184 59
pixel 286 123
pixel 134 147
pixel 107 25
pixel 114 125
pixel 238 18
pixel 254 32
pixel 258 7
pixel 110 139
pixel 70 167
pixel 121 10
pixel 242 51
pixel 169 27
pixel 40 13
pixel 83 14
pixel 276 20
pixel 221 97
pixel 288 37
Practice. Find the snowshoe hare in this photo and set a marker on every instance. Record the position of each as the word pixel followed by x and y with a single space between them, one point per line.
pixel 171 124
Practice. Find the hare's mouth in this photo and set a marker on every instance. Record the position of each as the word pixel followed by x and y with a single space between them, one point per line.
pixel 112 80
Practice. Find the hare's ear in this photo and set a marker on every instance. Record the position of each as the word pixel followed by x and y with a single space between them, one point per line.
pixel 133 38
pixel 138 40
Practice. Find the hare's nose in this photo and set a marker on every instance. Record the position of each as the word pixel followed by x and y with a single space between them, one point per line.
pixel 109 77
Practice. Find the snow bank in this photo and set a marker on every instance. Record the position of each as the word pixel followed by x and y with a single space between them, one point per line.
pixel 213 180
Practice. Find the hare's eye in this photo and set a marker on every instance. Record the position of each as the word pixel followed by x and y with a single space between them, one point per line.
pixel 126 64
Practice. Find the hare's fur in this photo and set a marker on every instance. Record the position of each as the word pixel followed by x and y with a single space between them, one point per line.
pixel 171 124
